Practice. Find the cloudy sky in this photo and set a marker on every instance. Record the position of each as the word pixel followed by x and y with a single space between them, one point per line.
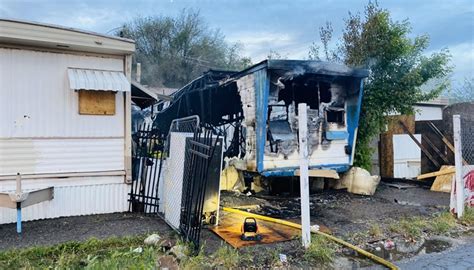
pixel 287 27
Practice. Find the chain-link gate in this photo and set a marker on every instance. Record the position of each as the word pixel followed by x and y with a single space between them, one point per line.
pixel 463 187
pixel 147 163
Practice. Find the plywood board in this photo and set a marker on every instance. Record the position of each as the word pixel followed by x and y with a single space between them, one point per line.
pixel 442 183
pixel 230 226
pixel 96 102
pixel 386 141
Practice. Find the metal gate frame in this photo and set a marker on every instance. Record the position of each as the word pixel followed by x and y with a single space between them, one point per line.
pixel 147 164
pixel 200 150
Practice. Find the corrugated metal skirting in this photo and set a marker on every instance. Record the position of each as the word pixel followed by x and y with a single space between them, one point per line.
pixel 75 200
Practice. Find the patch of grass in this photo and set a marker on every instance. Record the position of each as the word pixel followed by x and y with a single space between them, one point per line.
pixel 359 238
pixel 320 252
pixel 375 230
pixel 468 216
pixel 411 227
pixel 91 254
pixel 226 256
pixel 442 223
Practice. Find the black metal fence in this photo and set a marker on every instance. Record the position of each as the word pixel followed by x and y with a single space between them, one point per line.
pixel 200 150
pixel 147 164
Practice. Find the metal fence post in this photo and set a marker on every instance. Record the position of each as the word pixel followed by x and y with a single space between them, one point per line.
pixel 304 179
pixel 459 187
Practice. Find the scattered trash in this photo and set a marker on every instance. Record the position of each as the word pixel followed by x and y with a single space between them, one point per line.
pixel 406 203
pixel 283 258
pixel 179 251
pixel 389 244
pixel 167 244
pixel 314 227
pixel 358 181
pixel 138 250
pixel 152 239
pixel 168 262
pixel 400 186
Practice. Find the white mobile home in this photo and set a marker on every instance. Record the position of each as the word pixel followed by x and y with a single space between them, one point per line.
pixel 65 118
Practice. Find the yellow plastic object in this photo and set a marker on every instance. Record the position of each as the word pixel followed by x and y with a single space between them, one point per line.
pixel 335 239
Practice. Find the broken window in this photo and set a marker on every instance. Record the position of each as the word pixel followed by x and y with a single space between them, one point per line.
pixel 325 97
pixel 335 115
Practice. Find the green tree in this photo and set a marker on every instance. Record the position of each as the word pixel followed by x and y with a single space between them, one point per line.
pixel 398 70
pixel 175 50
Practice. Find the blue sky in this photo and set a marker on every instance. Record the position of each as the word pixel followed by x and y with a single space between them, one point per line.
pixel 287 27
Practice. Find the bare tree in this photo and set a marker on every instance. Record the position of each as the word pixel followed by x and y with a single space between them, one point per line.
pixel 175 50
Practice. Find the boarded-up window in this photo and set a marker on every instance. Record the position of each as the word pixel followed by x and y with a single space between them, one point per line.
pixel 96 102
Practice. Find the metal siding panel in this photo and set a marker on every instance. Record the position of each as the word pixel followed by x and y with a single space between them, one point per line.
pixel 97 80
pixel 60 155
pixel 76 200
pixel 353 115
pixel 425 113
pixel 35 99
pixel 261 100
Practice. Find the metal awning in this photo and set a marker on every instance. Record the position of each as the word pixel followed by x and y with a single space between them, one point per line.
pixel 98 80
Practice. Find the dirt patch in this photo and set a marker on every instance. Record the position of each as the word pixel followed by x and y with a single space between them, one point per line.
pixel 54 231
pixel 346 213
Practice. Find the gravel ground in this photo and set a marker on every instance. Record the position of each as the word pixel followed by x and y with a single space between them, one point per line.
pixel 53 231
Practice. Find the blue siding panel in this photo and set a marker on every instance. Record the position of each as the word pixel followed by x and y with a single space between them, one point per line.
pixel 262 88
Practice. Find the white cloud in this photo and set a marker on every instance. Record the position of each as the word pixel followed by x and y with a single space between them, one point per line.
pixel 463 59
pixel 258 44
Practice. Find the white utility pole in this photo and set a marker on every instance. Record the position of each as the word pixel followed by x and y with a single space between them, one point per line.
pixel 458 162
pixel 304 179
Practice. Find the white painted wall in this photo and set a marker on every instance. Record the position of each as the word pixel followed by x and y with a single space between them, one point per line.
pixel 425 113
pixel 406 156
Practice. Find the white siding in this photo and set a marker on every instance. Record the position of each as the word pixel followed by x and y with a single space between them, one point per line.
pixel 41 130
pixel 72 197
pixel 35 99
pixel 406 156
pixel 425 113
pixel 28 156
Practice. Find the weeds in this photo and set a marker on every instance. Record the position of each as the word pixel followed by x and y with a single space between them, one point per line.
pixel 375 230
pixel 226 256
pixel 468 217
pixel 91 254
pixel 411 227
pixel 320 252
pixel 442 223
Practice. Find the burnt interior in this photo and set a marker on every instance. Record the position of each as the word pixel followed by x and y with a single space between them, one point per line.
pixel 325 96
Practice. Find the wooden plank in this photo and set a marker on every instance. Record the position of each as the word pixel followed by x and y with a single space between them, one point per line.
pixel 425 151
pixel 440 154
pixel 321 173
pixel 445 140
pixel 96 102
pixel 443 183
pixel 438 173
pixel 386 141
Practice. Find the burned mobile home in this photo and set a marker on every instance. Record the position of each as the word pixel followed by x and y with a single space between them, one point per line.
pixel 255 111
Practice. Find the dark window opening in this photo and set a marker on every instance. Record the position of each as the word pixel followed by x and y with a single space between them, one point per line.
pixel 335 116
